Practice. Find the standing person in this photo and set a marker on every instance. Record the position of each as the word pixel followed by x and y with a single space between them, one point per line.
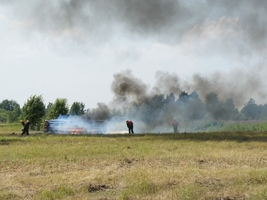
pixel 129 124
pixel 23 124
pixel 26 127
pixel 175 125
pixel 46 126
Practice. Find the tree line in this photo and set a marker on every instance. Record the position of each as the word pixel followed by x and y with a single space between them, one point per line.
pixel 36 111
pixel 186 106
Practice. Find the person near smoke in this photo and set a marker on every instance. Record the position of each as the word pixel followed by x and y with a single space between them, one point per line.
pixel 175 125
pixel 26 126
pixel 129 124
pixel 23 124
pixel 46 126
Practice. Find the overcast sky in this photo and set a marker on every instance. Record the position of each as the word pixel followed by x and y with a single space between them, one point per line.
pixel 73 48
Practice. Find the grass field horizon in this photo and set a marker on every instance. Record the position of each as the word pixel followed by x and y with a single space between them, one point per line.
pixel 204 165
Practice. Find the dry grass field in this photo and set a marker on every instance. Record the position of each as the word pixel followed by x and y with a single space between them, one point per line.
pixel 215 166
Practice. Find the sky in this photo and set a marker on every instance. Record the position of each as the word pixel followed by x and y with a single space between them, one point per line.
pixel 77 49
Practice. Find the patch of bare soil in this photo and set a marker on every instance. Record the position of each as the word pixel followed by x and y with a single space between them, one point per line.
pixel 95 187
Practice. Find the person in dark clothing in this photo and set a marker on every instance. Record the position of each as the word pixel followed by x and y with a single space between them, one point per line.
pixel 129 124
pixel 46 126
pixel 26 127
pixel 23 123
pixel 175 125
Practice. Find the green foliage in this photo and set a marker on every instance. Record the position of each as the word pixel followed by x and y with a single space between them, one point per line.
pixel 13 116
pixel 48 109
pixel 251 110
pixel 212 102
pixel 3 115
pixel 9 111
pixel 150 110
pixel 223 126
pixel 8 105
pixel 60 107
pixel 34 110
pixel 190 106
pixel 77 108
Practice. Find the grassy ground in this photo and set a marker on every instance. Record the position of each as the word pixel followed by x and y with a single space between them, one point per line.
pixel 215 166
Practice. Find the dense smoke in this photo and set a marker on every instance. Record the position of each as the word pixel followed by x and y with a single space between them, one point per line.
pixel 104 18
pixel 167 83
pixel 128 89
pixel 102 112
pixel 252 19
pixel 153 108
pixel 167 21
pixel 221 97
pixel 234 30
pixel 239 85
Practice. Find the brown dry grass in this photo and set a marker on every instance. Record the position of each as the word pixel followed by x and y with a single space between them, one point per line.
pixel 167 166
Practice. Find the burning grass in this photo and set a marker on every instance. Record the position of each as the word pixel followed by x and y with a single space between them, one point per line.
pixel 148 166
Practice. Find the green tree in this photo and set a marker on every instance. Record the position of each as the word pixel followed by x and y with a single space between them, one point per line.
pixel 251 110
pixel 34 110
pixel 264 112
pixel 8 105
pixel 3 115
pixel 211 103
pixel 60 107
pixel 13 116
pixel 12 110
pixel 190 106
pixel 226 110
pixel 48 109
pixel 77 108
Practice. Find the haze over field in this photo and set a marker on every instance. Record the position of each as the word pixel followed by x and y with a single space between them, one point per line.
pixel 101 51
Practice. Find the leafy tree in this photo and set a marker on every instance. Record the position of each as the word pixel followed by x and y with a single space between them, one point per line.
pixel 14 115
pixel 3 115
pixel 9 105
pixel 60 107
pixel 183 97
pixel 154 108
pixel 226 110
pixel 190 106
pixel 12 109
pixel 169 108
pixel 264 112
pixel 34 110
pixel 170 99
pixel 212 102
pixel 157 102
pixel 148 111
pixel 47 110
pixel 77 108
pixel 102 112
pixel 251 110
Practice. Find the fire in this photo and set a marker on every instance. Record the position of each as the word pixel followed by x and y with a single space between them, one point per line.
pixel 76 130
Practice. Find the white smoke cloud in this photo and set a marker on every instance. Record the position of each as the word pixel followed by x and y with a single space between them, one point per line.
pixel 213 37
